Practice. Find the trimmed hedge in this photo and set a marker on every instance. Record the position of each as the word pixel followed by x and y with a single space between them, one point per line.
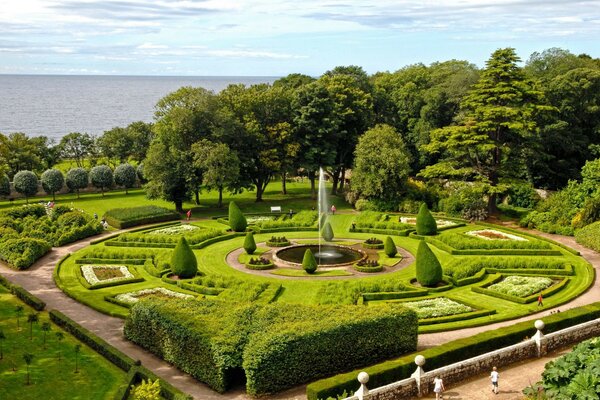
pixel 21 253
pixel 35 302
pixel 521 300
pixel 392 232
pixel 366 269
pixel 393 295
pixel 461 269
pixel 144 239
pixel 183 260
pixel 426 224
pixel 380 221
pixel 327 232
pixel 455 351
pixel 459 241
pixel 136 278
pixel 259 267
pixel 309 262
pixel 429 269
pixel 249 243
pixel 390 247
pixel 589 236
pixel 132 216
pixel 237 221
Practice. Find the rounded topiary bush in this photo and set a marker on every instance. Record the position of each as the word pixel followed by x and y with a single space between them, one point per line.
pixel 26 183
pixel 426 224
pixel 249 243
pixel 183 260
pixel 77 178
pixel 237 221
pixel 429 269
pixel 101 177
pixel 52 181
pixel 125 176
pixel 309 262
pixel 390 247
pixel 327 232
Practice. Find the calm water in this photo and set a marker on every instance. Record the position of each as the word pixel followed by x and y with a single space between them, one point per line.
pixel 53 105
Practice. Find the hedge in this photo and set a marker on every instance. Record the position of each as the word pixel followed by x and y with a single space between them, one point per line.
pixel 237 221
pixel 136 278
pixel 392 232
pixel 138 374
pixel 426 224
pixel 589 236
pixel 393 295
pixel 132 216
pixel 428 267
pixel 451 352
pixel 35 302
pixel 374 246
pixel 259 267
pixel 367 269
pixel 521 300
pixel 467 268
pixel 143 239
pixel 462 241
pixel 21 253
pixel 205 290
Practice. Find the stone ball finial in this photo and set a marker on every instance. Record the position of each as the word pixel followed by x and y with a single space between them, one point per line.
pixel 539 325
pixel 363 377
pixel 420 360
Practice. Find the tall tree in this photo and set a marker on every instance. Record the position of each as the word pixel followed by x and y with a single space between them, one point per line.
pixel 115 144
pixel 19 152
pixel 52 181
pixel 77 178
pixel 77 147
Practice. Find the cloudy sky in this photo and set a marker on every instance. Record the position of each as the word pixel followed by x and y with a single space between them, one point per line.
pixel 274 38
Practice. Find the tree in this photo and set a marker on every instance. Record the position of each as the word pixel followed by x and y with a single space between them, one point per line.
pixel 166 170
pixel 101 177
pixel 219 165
pixel 77 178
pixel 32 318
pixel 426 224
pixel 59 336
pixel 309 262
pixel 429 269
pixel 237 221
pixel 498 119
pixel 77 350
pixel 20 152
pixel 77 146
pixel 115 144
pixel 141 134
pixel 381 164
pixel 249 243
pixel 52 181
pixel 390 247
pixel 45 328
pixel 4 185
pixel 18 313
pixel 147 390
pixel 2 338
pixel 26 183
pixel 327 232
pixel 28 358
pixel 125 176
pixel 183 260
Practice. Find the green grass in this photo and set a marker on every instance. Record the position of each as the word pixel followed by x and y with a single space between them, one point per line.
pixel 298 272
pixel 50 378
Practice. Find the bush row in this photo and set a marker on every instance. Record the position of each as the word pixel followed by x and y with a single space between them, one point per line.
pixel 393 295
pixel 133 216
pixel 35 302
pixel 136 278
pixel 461 241
pixel 466 268
pixel 138 374
pixel 302 219
pixel 589 236
pixel 349 292
pixel 455 351
pixel 23 252
pixel 392 232
pixel 149 239
pixel 378 220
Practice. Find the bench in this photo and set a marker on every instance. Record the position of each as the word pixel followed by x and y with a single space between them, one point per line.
pixel 276 209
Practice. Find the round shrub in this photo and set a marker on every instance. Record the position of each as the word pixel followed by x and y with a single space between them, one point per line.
pixel 259 264
pixel 183 260
pixel 101 177
pixel 72 219
pixel 125 176
pixel 390 247
pixel 77 178
pixel 26 183
pixel 52 181
pixel 4 185
pixel 426 224
pixel 327 232
pixel 249 243
pixel 237 221
pixel 309 262
pixel 429 269
pixel 278 241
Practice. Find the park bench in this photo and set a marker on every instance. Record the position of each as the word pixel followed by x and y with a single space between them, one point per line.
pixel 276 209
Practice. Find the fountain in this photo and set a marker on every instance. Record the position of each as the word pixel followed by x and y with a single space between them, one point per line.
pixel 322 206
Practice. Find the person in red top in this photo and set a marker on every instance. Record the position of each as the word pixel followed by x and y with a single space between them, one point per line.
pixel 333 209
pixel 189 214
pixel 540 301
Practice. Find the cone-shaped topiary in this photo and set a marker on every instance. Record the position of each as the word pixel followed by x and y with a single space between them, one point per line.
pixel 390 247
pixel 429 269
pixel 327 232
pixel 426 224
pixel 249 243
pixel 183 260
pixel 237 221
pixel 309 262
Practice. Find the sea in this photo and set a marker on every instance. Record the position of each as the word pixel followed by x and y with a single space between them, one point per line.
pixel 55 105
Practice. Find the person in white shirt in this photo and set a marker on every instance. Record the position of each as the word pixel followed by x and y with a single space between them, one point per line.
pixel 438 387
pixel 494 376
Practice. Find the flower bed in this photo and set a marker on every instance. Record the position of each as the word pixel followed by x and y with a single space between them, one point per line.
pixel 134 297
pixel 278 242
pixel 441 223
pixel 174 230
pixel 437 307
pixel 492 234
pixel 373 243
pixel 259 264
pixel 368 266
pixel 96 274
pixel 521 286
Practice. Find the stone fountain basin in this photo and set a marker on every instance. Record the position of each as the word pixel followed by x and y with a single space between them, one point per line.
pixel 292 256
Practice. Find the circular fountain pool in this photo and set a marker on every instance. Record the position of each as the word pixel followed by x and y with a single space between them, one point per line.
pixel 327 255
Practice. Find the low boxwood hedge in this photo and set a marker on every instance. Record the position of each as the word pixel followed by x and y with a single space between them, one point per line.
pixel 21 253
pixel 483 252
pixel 368 269
pixel 392 232
pixel 521 300
pixel 132 216
pixel 462 268
pixel 136 278
pixel 393 295
pixel 260 267
pixel 35 302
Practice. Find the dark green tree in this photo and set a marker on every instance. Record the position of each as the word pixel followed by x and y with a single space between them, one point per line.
pixel 52 181
pixel 26 183
pixel 101 177
pixel 237 221
pixel 183 260
pixel 249 243
pixel 59 336
pixel 4 185
pixel 2 338
pixel 125 176
pixel 327 232
pixel 21 153
pixel 77 350
pixel 390 247
pixel 426 224
pixel 77 179
pixel 77 147
pixel 32 318
pixel 309 262
pixel 429 269
pixel 19 313
pixel 28 358
pixel 46 327
pixel 115 144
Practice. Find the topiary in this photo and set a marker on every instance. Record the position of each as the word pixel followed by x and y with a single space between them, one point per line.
pixel 390 247
pixel 125 176
pixel 237 221
pixel 26 183
pixel 327 232
pixel 309 262
pixel 52 181
pixel 429 269
pixel 426 224
pixel 101 177
pixel 77 178
pixel 249 243
pixel 183 260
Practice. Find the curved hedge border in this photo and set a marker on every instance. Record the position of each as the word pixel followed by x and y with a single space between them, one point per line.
pixel 393 295
pixel 278 244
pixel 378 268
pixel 136 278
pixel 521 300
pixel 260 267
pixel 373 246
pixel 133 216
pixel 392 232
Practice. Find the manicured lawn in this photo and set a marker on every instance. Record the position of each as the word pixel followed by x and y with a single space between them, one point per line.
pixel 50 378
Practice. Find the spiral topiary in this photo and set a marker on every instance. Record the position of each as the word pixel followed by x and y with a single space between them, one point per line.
pixel 237 221
pixel 426 224
pixel 327 232
pixel 429 269
pixel 309 262
pixel 390 247
pixel 249 243
pixel 183 260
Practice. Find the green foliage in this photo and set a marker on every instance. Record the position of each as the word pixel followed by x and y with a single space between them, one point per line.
pixel 23 252
pixel 426 224
pixel 52 181
pixel 249 243
pixel 26 183
pixel 390 247
pixel 522 195
pixel 125 175
pixel 429 269
pixel 378 220
pixel 309 262
pixel 327 232
pixel 101 176
pixel 237 221
pixel 466 201
pixel 183 260
pixel 461 241
pixel 588 214
pixel 133 216
pixel 147 390
pixel 305 218
pixel 461 269
pixel 4 185
pixel 77 178
pixel 589 236
pixel 158 240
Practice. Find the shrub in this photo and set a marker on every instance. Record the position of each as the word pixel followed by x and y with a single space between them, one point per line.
pixel 278 241
pixel 125 176
pixel 26 183
pixel 23 252
pixel 466 268
pixel 77 178
pixel 429 269
pixel 589 236
pixel 237 221
pixel 183 260
pixel 101 176
pixel 4 185
pixel 133 216
pixel 72 218
pixel 377 220
pixel 309 263
pixel 259 264
pixel 589 213
pixel 249 243
pixel 52 181
pixel 364 205
pixel 461 241
pixel 390 247
pixel 426 224
pixel 301 219
pixel 327 232
pixel 523 195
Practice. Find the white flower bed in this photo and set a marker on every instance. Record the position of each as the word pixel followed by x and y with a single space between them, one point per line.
pixel 89 274
pixel 174 230
pixel 132 297
pixel 441 223
pixel 257 219
pixel 521 286
pixel 438 307
pixel 504 236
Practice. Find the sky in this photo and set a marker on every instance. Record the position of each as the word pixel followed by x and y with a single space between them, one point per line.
pixel 279 37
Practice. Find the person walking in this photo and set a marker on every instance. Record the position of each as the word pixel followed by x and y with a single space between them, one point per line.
pixel 438 387
pixel 333 209
pixel 540 301
pixel 189 214
pixel 494 376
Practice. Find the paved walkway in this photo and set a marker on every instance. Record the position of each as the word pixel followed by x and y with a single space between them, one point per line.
pixel 38 280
